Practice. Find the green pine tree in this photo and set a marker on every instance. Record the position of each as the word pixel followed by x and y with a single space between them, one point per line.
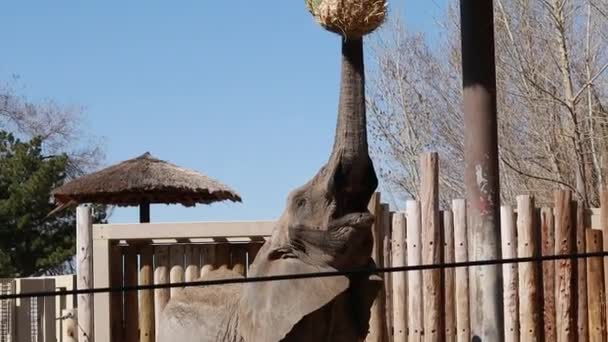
pixel 30 242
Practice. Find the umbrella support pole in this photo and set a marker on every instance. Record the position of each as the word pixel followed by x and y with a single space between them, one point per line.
pixel 144 212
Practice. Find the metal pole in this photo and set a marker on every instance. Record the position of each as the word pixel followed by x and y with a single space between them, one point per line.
pixel 481 172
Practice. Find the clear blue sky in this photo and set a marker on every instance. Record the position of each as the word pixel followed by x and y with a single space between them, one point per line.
pixel 244 91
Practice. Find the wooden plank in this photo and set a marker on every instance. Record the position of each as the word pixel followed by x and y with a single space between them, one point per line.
pixel 530 286
pixel 193 255
pixel 449 276
pixel 161 276
pixel 386 258
pixel 565 234
pixel 509 274
pixel 222 255
pixel 176 273
pixel 116 279
pixel 377 318
pixel 398 259
pixel 84 271
pixel 208 252
pixel 603 226
pixel 432 248
pixel 131 297
pixel 548 248
pixel 414 278
pixel 49 315
pixel 149 231
pixel 239 258
pixel 582 322
pixel 595 277
pixel 146 297
pixel 69 332
pixel 459 207
pixel 101 265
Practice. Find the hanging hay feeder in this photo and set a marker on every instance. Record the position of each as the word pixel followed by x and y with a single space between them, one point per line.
pixel 350 18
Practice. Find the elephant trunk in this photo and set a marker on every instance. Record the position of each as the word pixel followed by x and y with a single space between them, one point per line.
pixel 356 179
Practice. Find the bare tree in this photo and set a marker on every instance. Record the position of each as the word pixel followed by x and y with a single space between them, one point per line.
pixel 61 127
pixel 552 81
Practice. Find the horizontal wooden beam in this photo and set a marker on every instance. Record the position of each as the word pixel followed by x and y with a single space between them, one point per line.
pixel 189 230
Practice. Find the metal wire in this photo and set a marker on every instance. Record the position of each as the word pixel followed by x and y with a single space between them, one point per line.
pixel 357 271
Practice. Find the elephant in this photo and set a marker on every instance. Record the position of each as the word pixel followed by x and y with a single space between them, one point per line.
pixel 325 227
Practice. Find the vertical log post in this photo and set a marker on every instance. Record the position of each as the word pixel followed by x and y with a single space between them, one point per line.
pixel 450 285
pixel 530 286
pixel 239 258
pixel 116 274
pixel 596 302
pixel 161 276
pixel 582 322
pixel 84 267
pixel 548 240
pixel 377 322
pixel 388 281
pixel 222 255
pixel 176 272
pixel 193 256
pixel 208 251
pixel 604 229
pixel 432 248
pixel 565 234
pixel 131 297
pixel 414 278
pixel 509 273
pixel 398 259
pixel 146 297
pixel 459 206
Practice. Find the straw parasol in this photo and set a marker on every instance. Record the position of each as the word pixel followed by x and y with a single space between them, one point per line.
pixel 141 181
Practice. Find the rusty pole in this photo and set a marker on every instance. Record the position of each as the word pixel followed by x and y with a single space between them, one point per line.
pixel 481 170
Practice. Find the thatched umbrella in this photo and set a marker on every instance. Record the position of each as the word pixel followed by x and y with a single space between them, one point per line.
pixel 141 181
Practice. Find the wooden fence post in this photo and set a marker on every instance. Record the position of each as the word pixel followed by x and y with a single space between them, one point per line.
pixel 604 229
pixel 377 316
pixel 414 278
pixel 432 248
pixel 131 297
pixel 582 321
pixel 193 255
pixel 69 330
pixel 548 238
pixel 459 206
pixel 530 287
pixel 398 259
pixel 176 272
pixel 161 276
pixel 84 262
pixel 146 297
pixel 565 234
pixel 208 251
pixel 116 278
pixel 509 274
pixel 450 286
pixel 596 301
pixel 388 281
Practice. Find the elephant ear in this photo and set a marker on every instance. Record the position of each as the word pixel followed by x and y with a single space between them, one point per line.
pixel 269 310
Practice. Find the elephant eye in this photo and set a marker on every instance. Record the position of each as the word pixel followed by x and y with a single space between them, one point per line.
pixel 300 202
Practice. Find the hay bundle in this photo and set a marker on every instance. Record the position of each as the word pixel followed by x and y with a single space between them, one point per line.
pixel 350 18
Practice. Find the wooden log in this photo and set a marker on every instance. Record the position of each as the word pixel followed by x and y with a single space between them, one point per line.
pixel 222 255
pixel 459 207
pixel 84 271
pixel 193 256
pixel 208 253
pixel 530 286
pixel 239 258
pixel 377 322
pixel 161 276
pixel 582 322
pixel 565 295
pixel 146 297
pixel 604 229
pixel 548 243
pixel 176 272
pixel 116 275
pixel 449 276
pixel 596 303
pixel 131 297
pixel 69 329
pixel 414 278
pixel 399 284
pixel 509 274
pixel 386 258
pixel 432 248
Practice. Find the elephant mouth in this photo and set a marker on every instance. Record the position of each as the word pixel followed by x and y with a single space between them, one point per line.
pixel 355 220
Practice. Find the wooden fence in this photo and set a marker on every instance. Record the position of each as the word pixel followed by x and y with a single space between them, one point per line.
pixel 37 319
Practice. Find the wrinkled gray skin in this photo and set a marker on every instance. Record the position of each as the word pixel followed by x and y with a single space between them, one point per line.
pixel 325 227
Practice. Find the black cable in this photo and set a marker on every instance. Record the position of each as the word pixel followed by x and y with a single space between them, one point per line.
pixel 308 275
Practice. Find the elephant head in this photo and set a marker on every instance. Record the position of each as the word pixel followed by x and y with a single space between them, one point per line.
pixel 325 227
